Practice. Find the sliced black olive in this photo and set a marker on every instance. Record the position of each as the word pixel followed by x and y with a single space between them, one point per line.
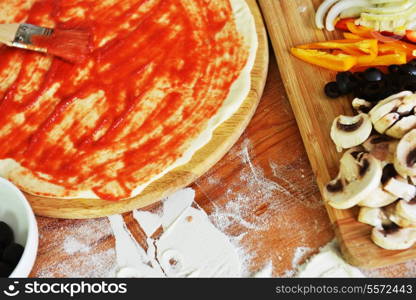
pixel 5 269
pixel 331 90
pixel 412 62
pixel 6 234
pixel 359 76
pixel 409 85
pixel 12 254
pixel 394 69
pixel 344 82
pixel 373 89
pixel 373 75
pixel 408 70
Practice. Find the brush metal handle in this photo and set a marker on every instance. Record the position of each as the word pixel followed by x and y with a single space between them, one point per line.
pixel 26 31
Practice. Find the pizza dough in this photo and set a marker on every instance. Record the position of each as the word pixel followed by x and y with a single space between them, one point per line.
pixel 163 75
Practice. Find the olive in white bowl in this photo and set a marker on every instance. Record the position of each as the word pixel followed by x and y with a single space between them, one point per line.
pixel 18 232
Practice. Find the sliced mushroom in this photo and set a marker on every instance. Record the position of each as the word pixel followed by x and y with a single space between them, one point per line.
pixel 399 187
pixel 405 158
pixel 402 126
pixel 392 237
pixel 384 123
pixel 361 105
pixel 373 216
pixel 381 147
pixel 378 198
pixel 360 174
pixel 391 211
pixel 396 185
pixel 348 132
pixel 406 210
pixel 396 115
pixel 381 109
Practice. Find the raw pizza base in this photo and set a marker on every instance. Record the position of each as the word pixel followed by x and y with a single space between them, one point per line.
pixel 245 23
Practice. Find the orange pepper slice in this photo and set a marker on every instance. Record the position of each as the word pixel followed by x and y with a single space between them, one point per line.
pixel 365 50
pixel 359 30
pixel 386 60
pixel 351 36
pixel 342 24
pixel 337 62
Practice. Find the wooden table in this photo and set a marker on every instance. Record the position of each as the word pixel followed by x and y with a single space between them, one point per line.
pixel 264 184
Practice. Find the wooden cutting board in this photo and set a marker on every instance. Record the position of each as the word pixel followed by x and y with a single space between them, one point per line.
pixel 223 138
pixel 290 23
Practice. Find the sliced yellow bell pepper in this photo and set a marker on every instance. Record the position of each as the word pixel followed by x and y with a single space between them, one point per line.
pixel 362 47
pixel 364 50
pixel 386 60
pixel 336 62
pixel 398 47
pixel 351 36
pixel 359 30
pixel 366 46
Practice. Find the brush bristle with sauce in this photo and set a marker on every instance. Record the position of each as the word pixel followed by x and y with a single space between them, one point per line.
pixel 72 45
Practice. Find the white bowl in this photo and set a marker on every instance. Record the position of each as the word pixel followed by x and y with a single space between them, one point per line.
pixel 17 213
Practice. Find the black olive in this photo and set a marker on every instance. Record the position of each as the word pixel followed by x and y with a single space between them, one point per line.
pixel 6 234
pixel 373 75
pixel 359 76
pixel 331 90
pixel 374 91
pixel 408 70
pixel 393 84
pixel 12 254
pixel 344 82
pixel 408 85
pixel 5 269
pixel 412 62
pixel 394 69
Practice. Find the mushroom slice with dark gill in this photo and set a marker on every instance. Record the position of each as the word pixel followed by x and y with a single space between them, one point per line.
pixel 405 158
pixel 360 174
pixel 348 132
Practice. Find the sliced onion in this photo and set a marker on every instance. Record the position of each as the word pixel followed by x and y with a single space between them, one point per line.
pixel 341 6
pixel 412 25
pixel 321 12
pixel 353 12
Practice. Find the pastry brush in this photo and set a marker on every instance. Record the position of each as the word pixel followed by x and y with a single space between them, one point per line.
pixel 72 45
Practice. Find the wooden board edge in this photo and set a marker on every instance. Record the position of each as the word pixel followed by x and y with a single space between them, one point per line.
pixel 380 257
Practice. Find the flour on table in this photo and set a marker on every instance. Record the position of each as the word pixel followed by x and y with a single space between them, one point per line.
pixel 175 205
pixel 193 247
pixel 82 248
pixel 240 205
pixel 190 245
pixel 151 222
pixel 73 245
pixel 266 272
pixel 328 263
pixel 131 258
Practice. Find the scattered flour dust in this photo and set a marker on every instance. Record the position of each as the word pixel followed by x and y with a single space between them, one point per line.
pixel 190 245
pixel 73 245
pixel 328 263
pixel 250 206
pixel 239 207
pixel 83 250
pixel 299 254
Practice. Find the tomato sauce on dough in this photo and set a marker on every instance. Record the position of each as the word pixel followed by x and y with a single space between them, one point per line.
pixel 159 70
